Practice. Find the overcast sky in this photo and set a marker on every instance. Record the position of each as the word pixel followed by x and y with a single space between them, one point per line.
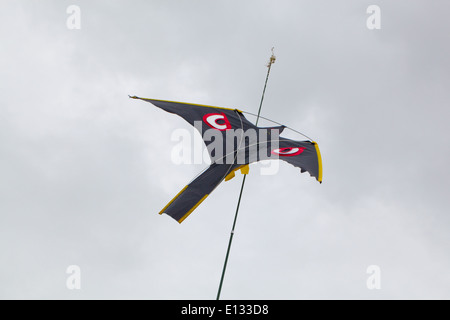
pixel 85 170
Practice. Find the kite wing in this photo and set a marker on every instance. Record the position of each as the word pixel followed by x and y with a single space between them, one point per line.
pixel 302 154
pixel 204 117
pixel 196 191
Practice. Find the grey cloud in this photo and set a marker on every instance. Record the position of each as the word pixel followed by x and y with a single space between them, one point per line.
pixel 85 169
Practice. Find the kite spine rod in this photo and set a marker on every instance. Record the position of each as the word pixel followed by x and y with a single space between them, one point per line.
pixel 269 65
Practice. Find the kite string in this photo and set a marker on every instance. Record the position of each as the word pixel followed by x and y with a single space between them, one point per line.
pixel 247 147
pixel 278 124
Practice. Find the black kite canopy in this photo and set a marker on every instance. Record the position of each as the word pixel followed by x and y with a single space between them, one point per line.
pixel 241 143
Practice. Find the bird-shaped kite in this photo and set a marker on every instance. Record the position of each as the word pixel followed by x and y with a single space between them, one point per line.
pixel 233 143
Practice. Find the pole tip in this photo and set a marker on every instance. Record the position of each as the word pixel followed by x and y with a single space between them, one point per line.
pixel 272 59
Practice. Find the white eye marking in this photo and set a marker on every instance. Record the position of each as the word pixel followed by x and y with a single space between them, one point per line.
pixel 212 120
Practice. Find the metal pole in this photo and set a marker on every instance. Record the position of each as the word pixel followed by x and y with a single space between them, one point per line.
pixel 269 65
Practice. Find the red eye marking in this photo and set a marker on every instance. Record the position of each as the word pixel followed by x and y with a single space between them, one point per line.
pixel 288 152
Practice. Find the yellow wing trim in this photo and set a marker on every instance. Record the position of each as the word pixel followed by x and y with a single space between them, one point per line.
pixel 162 211
pixel 192 209
pixel 319 159
pixel 230 176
